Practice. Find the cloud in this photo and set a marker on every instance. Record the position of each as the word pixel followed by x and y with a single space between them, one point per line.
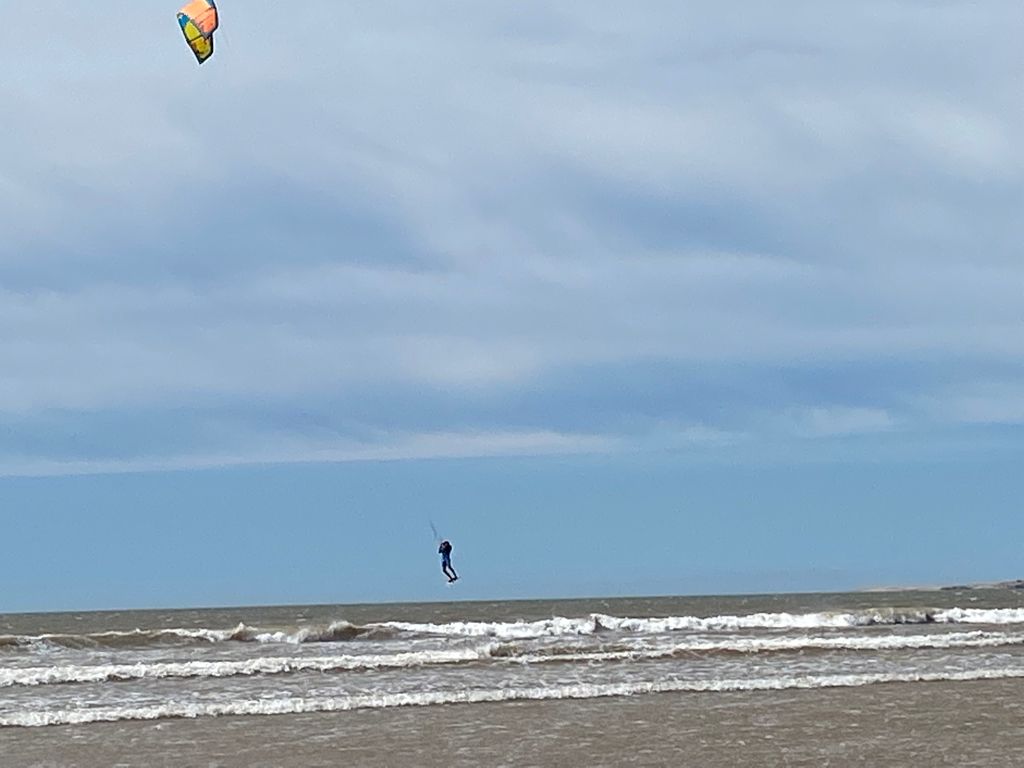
pixel 841 421
pixel 519 222
pixel 294 449
pixel 979 403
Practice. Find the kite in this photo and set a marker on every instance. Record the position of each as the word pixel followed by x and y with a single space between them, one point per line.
pixel 198 20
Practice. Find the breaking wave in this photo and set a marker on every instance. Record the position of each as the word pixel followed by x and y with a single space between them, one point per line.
pixel 338 631
pixel 95 673
pixel 597 622
pixel 493 652
pixel 343 631
pixel 299 705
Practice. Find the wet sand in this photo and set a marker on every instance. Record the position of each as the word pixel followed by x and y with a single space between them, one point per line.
pixel 963 724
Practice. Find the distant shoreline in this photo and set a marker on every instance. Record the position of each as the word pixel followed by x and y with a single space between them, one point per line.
pixel 1010 584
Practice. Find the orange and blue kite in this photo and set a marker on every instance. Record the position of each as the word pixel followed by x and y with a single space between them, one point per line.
pixel 198 20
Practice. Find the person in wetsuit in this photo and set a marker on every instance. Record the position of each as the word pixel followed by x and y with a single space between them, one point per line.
pixel 445 551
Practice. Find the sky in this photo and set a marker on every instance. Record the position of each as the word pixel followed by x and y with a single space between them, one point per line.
pixel 689 299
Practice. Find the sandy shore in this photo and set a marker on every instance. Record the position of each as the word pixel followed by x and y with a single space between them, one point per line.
pixel 954 724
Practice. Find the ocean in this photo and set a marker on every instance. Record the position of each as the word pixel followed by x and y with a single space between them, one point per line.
pixel 815 679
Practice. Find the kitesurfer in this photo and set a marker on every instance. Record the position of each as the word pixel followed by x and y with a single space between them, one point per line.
pixel 445 551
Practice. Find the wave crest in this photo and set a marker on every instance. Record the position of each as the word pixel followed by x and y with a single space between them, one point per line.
pixel 556 626
pixel 296 705
pixel 265 665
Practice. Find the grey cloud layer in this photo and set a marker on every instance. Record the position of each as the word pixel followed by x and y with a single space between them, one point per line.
pixel 482 206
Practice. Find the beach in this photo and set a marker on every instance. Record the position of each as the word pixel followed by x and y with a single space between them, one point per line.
pixel 891 678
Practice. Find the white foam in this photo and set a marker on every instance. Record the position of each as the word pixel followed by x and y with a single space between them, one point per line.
pixel 783 644
pixel 596 622
pixel 32 676
pixel 299 705
pixel 557 626
pixel 980 616
pixel 782 621
pixel 64 674
pixel 336 631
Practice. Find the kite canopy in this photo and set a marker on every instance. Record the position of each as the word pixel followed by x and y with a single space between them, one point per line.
pixel 198 20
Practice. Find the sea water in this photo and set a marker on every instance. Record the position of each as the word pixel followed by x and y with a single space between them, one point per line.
pixel 257 664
